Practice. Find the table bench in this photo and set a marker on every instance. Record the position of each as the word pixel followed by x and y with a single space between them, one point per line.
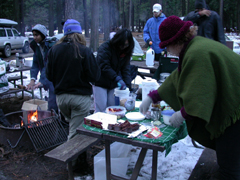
pixel 70 150
pixel 13 79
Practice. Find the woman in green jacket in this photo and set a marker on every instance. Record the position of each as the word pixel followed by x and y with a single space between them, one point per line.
pixel 204 90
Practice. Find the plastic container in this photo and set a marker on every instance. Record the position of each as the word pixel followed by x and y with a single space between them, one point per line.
pixel 17 60
pixel 128 102
pixel 150 57
pixel 120 94
pixel 119 111
pixel 166 114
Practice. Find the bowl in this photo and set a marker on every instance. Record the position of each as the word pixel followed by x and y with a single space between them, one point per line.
pixel 119 111
pixel 166 114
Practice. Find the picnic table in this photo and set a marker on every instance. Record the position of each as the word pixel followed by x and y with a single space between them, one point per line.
pixel 170 136
pixel 165 65
pixel 16 78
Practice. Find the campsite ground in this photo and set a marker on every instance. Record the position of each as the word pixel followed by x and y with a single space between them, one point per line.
pixel 26 164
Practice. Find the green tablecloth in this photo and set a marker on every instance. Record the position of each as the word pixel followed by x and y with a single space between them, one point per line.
pixel 170 135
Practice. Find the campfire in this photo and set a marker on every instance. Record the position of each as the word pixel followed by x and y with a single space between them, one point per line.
pixel 32 117
pixel 43 128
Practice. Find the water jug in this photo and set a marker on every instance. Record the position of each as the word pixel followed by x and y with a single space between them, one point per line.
pixel 150 57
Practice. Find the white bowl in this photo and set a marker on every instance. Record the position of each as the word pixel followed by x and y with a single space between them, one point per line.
pixel 119 111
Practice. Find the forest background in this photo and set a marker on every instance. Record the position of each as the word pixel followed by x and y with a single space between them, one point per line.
pixel 98 16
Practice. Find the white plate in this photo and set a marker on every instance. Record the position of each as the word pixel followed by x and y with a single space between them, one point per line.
pixel 135 116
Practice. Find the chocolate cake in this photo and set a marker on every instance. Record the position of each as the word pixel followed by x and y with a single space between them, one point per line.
pixel 125 127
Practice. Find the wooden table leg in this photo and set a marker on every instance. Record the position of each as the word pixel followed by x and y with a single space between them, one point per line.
pixel 154 165
pixel 108 159
pixel 21 74
pixel 138 164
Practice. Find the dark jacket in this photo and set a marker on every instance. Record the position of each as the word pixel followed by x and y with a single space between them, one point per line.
pixel 39 62
pixel 112 64
pixel 209 27
pixel 72 75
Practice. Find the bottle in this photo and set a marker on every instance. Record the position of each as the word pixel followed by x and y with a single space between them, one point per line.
pixel 150 57
pixel 17 60
pixel 21 61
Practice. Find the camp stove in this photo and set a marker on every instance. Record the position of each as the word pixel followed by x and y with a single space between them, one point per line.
pixel 44 129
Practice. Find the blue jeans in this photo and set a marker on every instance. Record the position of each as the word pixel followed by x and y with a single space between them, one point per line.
pixel 52 104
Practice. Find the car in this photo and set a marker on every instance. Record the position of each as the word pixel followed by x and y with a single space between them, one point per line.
pixel 11 39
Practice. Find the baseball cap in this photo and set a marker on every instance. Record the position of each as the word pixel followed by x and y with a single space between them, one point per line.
pixel 157 7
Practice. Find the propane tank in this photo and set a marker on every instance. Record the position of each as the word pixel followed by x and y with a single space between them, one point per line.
pixel 150 57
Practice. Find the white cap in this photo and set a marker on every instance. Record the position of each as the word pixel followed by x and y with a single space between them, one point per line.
pixel 157 7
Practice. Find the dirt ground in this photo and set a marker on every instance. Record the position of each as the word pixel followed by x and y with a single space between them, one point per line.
pixel 23 163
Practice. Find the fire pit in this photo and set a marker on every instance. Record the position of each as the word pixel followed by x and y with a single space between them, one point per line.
pixel 43 128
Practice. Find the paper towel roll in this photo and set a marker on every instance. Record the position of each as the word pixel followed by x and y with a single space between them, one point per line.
pixel 147 86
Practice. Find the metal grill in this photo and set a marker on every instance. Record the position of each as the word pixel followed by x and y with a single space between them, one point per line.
pixel 46 133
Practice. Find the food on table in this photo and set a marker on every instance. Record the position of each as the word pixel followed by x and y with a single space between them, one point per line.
pixel 154 133
pixel 125 127
pixel 119 111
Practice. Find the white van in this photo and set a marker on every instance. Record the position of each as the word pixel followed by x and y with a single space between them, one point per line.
pixel 11 39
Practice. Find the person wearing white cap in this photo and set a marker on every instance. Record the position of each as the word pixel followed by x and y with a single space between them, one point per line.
pixel 150 31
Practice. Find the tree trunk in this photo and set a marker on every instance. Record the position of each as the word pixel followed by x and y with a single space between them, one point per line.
pixel 60 15
pixel 132 18
pixel 221 9
pixel 17 15
pixel 106 18
pixel 183 7
pixel 130 14
pixel 188 9
pixel 118 13
pixel 50 17
pixel 123 15
pixel 21 14
pixel 70 9
pixel 85 18
pixel 94 40
pixel 238 16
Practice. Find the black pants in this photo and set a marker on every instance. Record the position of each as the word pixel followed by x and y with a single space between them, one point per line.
pixel 228 153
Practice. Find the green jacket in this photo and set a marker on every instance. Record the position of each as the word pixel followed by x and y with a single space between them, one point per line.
pixel 208 86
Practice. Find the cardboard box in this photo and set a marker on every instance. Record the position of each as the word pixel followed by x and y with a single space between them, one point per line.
pixel 35 104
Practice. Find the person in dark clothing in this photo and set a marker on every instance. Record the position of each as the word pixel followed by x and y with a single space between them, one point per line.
pixel 114 59
pixel 203 93
pixel 208 22
pixel 72 68
pixel 40 46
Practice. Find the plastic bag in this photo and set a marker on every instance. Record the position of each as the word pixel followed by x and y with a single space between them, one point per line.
pixel 119 161
pixel 3 77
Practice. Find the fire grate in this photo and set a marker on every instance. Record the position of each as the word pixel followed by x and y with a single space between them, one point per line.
pixel 46 133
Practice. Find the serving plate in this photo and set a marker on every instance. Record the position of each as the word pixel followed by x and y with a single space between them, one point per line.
pixel 135 116
pixel 134 134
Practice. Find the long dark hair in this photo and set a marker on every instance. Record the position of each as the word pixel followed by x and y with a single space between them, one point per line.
pixel 75 38
pixel 119 40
